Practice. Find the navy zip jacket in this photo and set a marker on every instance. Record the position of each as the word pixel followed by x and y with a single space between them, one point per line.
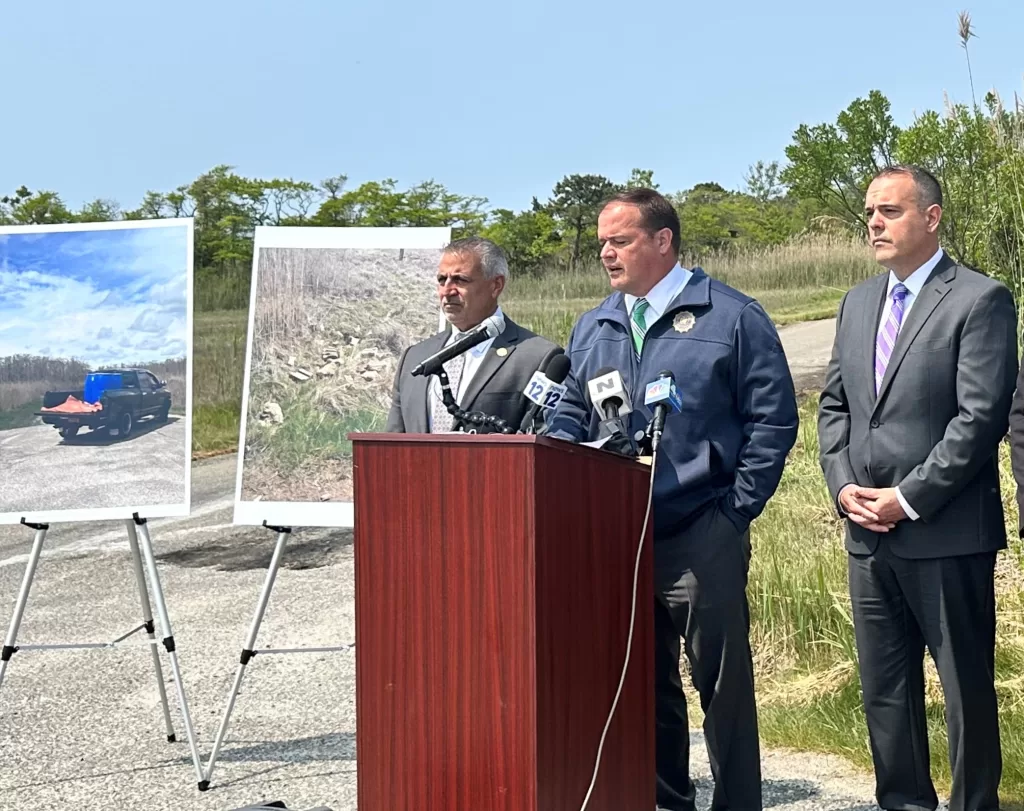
pixel 739 413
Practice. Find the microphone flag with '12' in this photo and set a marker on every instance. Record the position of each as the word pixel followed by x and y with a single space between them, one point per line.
pixel 488 328
pixel 664 396
pixel 545 390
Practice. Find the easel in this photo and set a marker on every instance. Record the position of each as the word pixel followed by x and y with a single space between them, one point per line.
pixel 10 646
pixel 249 651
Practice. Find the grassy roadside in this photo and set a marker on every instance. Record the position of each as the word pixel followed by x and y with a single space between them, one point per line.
pixel 808 690
pixel 219 370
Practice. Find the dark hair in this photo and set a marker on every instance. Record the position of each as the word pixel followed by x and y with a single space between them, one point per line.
pixel 929 192
pixel 656 212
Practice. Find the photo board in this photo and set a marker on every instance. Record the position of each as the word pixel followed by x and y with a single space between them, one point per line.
pixel 331 312
pixel 96 370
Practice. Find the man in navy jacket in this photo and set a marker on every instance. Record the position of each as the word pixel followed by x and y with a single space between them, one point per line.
pixel 719 462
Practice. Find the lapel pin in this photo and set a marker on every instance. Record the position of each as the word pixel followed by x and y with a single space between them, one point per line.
pixel 502 351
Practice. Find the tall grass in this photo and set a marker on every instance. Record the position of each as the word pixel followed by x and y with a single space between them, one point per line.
pixel 802 631
pixel 219 369
pixel 798 281
pixel 329 328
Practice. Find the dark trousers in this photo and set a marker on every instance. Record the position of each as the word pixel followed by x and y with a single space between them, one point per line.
pixel 947 604
pixel 700 595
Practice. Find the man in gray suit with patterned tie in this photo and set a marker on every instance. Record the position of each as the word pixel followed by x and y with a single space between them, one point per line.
pixel 491 376
pixel 915 403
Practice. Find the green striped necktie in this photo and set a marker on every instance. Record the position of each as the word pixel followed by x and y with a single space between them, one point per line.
pixel 639 325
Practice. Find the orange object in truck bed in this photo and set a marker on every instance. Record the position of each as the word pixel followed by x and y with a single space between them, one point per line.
pixel 74 406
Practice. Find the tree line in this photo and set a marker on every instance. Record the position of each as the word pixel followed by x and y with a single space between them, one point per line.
pixel 976 151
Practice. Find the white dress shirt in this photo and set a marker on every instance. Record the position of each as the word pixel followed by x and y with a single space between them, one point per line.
pixel 474 357
pixel 914 282
pixel 661 295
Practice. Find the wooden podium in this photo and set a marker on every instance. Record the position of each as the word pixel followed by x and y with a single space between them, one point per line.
pixel 494 578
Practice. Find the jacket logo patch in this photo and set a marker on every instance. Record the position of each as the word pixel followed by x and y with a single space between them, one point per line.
pixel 684 321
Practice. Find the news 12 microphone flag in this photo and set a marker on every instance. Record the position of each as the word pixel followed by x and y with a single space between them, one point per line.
pixel 331 312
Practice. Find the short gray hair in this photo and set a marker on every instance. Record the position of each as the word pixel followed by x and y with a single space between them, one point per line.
pixel 492 258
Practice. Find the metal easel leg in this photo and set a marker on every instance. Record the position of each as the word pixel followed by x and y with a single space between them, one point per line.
pixel 147 618
pixel 250 647
pixel 9 648
pixel 165 626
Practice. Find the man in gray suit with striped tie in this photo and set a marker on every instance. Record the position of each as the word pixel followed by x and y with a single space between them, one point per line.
pixel 915 403
pixel 491 376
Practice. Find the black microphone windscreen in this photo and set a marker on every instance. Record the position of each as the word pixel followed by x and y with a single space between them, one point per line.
pixel 558 368
pixel 666 373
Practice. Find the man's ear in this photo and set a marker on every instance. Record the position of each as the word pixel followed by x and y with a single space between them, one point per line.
pixel 499 285
pixel 665 240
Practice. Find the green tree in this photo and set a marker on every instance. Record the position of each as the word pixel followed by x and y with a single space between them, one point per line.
pixel 959 149
pixel 25 207
pixel 530 239
pixel 574 203
pixel 833 164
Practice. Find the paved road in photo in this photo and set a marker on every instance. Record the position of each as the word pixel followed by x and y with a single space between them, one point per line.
pixel 41 471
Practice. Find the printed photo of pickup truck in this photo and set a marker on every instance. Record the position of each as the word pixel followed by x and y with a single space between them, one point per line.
pixel 112 400
pixel 95 370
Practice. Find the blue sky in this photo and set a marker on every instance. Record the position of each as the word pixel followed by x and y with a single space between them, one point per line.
pixel 102 296
pixel 494 99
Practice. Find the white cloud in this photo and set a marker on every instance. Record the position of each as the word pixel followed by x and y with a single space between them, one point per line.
pixel 39 313
pixel 42 308
pixel 152 321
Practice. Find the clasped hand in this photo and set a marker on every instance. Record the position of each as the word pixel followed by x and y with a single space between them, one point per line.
pixel 877 509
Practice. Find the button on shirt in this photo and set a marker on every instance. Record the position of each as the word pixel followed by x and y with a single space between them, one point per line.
pixel 474 357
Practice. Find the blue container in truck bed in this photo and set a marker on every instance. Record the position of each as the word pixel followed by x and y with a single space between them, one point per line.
pixel 98 382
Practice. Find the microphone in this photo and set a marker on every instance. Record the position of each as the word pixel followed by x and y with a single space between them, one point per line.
pixel 664 396
pixel 488 328
pixel 610 400
pixel 545 390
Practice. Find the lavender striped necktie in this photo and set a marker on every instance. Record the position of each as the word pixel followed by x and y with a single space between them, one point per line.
pixel 887 337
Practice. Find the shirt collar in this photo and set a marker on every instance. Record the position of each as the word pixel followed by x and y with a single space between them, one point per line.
pixel 662 294
pixel 915 281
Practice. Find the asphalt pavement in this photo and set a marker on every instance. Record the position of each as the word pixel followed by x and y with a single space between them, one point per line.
pixel 41 471
pixel 84 729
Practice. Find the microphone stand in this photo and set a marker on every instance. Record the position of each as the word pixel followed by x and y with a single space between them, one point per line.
pixel 463 419
pixel 644 438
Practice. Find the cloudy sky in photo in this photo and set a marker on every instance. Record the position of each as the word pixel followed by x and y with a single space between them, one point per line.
pixel 104 297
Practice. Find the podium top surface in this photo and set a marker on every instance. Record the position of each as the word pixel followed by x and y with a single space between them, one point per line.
pixel 498 440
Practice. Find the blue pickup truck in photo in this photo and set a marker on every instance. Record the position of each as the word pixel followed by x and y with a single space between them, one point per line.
pixel 112 400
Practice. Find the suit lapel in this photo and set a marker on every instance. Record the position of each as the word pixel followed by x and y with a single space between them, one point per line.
pixel 933 291
pixel 492 361
pixel 419 388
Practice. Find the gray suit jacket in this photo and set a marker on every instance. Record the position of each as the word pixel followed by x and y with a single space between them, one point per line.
pixel 496 388
pixel 934 429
